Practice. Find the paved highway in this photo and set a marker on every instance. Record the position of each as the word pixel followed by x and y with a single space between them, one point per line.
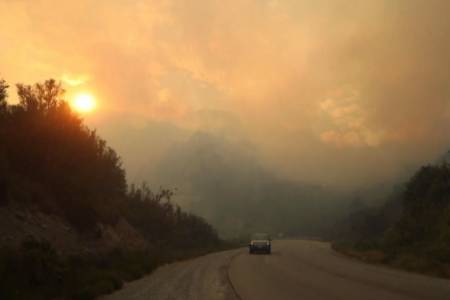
pixel 296 270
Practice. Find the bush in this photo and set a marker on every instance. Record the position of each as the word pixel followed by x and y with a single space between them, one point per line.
pixel 97 288
pixel 38 272
pixel 35 268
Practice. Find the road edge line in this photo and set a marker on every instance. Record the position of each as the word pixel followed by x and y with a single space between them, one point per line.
pixel 228 275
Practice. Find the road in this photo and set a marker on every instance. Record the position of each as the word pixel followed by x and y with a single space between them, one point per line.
pixel 295 270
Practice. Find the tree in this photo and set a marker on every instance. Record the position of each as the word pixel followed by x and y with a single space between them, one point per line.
pixel 3 109
pixel 42 97
pixel 55 161
pixel 3 95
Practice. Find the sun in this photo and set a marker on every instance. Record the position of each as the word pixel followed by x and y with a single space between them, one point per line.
pixel 84 102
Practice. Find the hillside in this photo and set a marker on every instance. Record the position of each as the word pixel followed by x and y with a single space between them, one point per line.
pixel 70 225
pixel 411 230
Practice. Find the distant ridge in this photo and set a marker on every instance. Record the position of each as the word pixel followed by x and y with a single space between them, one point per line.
pixel 446 157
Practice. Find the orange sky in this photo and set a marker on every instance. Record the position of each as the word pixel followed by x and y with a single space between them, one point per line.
pixel 334 92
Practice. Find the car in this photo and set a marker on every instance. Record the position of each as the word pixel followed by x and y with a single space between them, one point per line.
pixel 260 243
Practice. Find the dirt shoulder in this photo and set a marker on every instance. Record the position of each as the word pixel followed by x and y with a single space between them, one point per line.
pixel 204 277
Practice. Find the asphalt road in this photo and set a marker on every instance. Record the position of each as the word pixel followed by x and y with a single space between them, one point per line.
pixel 295 270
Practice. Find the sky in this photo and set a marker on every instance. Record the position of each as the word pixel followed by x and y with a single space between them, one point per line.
pixel 335 93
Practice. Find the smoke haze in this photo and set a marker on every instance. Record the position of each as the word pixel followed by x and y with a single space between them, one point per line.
pixel 344 94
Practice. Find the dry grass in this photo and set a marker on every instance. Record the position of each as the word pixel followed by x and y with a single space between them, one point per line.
pixel 371 256
pixel 402 261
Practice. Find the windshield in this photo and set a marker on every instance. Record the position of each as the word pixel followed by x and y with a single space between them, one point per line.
pixel 260 236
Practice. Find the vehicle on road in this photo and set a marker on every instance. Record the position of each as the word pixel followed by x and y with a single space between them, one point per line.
pixel 260 243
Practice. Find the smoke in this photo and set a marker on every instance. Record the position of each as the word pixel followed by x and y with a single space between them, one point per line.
pixel 222 180
pixel 342 94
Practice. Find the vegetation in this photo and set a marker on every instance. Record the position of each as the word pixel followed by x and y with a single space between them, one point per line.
pixel 410 231
pixel 37 271
pixel 49 159
pixel 161 221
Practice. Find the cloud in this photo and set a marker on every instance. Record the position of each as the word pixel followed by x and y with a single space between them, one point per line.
pixel 325 91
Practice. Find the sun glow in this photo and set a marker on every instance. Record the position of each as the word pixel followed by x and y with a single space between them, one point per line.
pixel 84 103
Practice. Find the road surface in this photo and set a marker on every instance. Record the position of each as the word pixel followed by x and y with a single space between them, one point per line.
pixel 296 270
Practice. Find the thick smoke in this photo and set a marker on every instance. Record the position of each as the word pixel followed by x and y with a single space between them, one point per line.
pixel 341 93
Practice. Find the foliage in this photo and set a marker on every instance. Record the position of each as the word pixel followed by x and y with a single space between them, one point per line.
pixel 425 224
pixel 419 237
pixel 63 165
pixel 36 271
pixel 3 96
pixel 163 222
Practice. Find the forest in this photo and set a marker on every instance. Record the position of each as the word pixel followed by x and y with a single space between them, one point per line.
pixel 411 230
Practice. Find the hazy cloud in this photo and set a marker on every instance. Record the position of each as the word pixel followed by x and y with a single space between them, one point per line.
pixel 332 92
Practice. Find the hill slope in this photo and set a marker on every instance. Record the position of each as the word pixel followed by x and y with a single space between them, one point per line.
pixel 69 224
pixel 411 230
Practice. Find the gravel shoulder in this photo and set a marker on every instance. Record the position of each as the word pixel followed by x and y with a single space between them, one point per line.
pixel 205 277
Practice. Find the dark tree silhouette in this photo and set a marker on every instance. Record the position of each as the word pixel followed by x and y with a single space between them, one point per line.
pixel 3 96
pixel 64 165
pixel 415 223
pixel 50 159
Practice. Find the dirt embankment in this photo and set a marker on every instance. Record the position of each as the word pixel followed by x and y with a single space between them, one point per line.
pixel 19 223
